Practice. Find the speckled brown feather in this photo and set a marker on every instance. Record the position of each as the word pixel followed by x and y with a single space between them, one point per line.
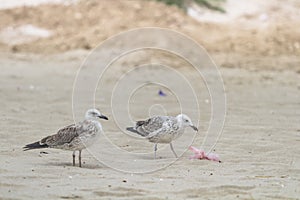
pixel 63 136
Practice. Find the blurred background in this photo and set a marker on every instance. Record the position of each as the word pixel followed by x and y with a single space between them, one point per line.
pixel 251 34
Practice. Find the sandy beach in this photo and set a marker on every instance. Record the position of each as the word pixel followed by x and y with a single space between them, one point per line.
pixel 259 145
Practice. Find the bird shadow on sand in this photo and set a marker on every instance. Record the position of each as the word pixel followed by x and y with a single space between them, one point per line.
pixel 70 165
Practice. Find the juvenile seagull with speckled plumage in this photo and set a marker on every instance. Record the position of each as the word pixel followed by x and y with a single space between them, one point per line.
pixel 163 129
pixel 75 137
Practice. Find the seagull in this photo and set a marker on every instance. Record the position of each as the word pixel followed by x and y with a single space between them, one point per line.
pixel 163 129
pixel 74 137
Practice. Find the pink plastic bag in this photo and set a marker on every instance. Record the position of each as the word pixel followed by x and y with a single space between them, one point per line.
pixel 200 154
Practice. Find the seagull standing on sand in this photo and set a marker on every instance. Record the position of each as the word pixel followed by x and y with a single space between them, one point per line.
pixel 75 137
pixel 163 129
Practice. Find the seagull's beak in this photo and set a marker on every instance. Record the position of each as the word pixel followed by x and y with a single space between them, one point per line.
pixel 194 127
pixel 103 117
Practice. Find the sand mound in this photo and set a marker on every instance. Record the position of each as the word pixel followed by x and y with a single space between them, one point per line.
pixel 87 23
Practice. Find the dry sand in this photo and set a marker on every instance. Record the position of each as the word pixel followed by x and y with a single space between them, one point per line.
pixel 259 146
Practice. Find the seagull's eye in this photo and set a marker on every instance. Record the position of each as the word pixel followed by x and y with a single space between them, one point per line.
pixel 186 120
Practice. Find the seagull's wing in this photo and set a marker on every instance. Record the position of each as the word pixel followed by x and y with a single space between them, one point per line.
pixel 157 132
pixel 63 136
pixel 150 126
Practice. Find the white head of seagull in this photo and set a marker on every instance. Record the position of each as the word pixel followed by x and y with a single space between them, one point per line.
pixel 185 121
pixel 94 114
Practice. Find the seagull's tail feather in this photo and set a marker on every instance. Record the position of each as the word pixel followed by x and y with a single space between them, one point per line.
pixel 140 123
pixel 35 145
pixel 134 130
pixel 131 129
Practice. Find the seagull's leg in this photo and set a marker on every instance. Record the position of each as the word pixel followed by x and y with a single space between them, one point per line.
pixel 155 149
pixel 173 150
pixel 73 158
pixel 79 158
